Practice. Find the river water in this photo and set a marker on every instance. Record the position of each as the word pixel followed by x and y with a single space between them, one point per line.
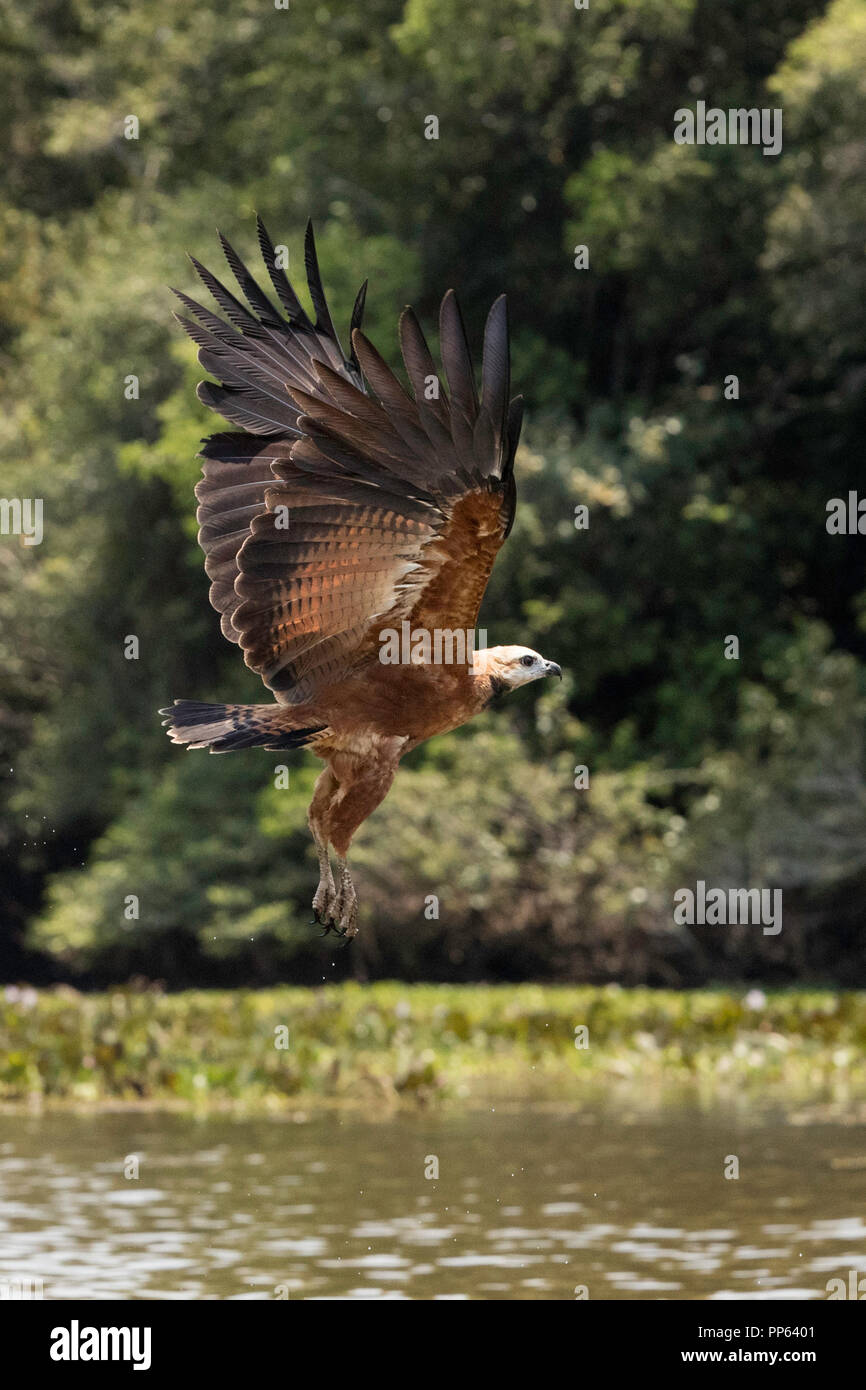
pixel 529 1204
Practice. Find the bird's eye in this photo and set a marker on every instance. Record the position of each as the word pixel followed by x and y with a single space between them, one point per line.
pixel 527 661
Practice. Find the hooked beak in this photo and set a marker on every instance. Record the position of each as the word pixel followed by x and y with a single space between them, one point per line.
pixel 551 669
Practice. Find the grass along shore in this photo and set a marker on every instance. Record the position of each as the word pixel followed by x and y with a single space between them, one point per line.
pixel 390 1044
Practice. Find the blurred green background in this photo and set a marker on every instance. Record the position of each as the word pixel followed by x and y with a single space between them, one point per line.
pixel 707 515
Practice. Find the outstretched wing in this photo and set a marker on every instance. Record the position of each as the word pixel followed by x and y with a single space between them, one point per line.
pixel 337 512
pixel 255 354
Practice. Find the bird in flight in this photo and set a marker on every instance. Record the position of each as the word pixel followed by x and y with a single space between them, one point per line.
pixel 339 511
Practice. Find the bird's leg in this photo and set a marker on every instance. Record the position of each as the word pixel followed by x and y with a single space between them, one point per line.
pixel 326 893
pixel 345 910
pixel 360 786
pixel 325 896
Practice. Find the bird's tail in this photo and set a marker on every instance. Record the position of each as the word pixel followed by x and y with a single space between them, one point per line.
pixel 223 728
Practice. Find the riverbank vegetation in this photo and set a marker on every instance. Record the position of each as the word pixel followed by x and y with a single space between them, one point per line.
pixel 389 1044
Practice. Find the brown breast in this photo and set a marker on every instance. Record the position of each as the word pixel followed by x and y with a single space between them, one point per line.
pixel 411 701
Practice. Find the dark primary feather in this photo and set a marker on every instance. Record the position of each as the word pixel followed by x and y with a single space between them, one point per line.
pixel 495 370
pixel 324 323
pixel 355 322
pixel 456 358
pixel 256 298
pixel 297 314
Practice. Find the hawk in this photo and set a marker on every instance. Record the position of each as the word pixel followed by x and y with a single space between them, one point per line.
pixel 339 510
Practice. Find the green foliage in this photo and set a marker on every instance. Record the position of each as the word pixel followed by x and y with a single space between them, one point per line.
pixel 706 515
pixel 390 1044
pixel 208 887
pixel 529 875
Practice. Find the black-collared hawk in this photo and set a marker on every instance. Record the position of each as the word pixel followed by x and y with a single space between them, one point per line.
pixel 340 509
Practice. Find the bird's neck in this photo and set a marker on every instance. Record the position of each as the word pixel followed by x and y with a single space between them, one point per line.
pixel 487 683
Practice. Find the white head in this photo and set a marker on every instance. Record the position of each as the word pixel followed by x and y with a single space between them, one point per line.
pixel 514 666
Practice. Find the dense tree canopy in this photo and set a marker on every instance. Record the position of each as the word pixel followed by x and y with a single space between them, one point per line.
pixel 706 513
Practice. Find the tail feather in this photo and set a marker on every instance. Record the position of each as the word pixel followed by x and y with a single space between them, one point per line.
pixel 225 728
